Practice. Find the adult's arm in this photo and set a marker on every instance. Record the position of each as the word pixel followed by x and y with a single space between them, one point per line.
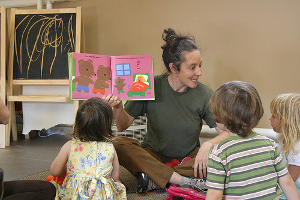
pixel 122 118
pixel 202 155
pixel 4 113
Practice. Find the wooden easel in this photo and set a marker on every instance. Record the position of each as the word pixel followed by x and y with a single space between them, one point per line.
pixel 3 72
pixel 36 82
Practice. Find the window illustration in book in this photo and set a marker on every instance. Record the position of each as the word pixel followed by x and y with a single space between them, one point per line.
pixel 129 77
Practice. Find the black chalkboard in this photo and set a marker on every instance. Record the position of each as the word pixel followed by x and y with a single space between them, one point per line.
pixel 42 43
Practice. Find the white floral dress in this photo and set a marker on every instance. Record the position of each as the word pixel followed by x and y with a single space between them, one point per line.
pixel 89 173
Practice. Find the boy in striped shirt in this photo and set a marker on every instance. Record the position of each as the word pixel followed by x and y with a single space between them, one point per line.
pixel 245 165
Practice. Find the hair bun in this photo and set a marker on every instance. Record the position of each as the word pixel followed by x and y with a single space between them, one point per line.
pixel 171 38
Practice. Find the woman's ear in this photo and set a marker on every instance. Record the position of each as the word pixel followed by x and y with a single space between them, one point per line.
pixel 173 68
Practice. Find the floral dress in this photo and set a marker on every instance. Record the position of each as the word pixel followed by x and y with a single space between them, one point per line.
pixel 89 173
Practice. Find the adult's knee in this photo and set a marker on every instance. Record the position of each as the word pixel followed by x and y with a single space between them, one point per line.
pixel 120 143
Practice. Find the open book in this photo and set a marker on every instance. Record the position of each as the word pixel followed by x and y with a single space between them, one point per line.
pixel 129 77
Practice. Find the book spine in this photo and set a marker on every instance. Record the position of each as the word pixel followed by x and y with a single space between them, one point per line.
pixel 72 73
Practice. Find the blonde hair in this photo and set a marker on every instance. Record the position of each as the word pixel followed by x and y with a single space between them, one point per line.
pixel 142 77
pixel 286 107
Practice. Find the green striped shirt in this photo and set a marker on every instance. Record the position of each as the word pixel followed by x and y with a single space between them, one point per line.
pixel 246 168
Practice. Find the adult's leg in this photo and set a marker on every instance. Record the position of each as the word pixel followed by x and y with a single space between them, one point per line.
pixel 28 190
pixel 186 169
pixel 137 159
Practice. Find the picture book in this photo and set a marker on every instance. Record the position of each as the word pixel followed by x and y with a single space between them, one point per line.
pixel 129 77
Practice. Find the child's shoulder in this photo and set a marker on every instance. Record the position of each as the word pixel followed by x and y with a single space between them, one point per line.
pixel 77 142
pixel 240 142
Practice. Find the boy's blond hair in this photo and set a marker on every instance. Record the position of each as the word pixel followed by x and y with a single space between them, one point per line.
pixel 286 107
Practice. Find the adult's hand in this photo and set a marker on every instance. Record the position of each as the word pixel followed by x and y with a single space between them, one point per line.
pixel 201 160
pixel 112 100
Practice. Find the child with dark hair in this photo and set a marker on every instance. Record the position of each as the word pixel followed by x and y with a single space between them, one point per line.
pixel 245 165
pixel 89 159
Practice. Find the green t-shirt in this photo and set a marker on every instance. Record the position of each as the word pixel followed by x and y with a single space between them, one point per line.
pixel 246 168
pixel 174 119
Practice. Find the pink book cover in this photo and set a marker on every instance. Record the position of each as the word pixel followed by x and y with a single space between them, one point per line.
pixel 129 77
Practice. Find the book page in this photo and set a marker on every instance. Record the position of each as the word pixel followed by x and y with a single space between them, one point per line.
pixel 132 77
pixel 90 76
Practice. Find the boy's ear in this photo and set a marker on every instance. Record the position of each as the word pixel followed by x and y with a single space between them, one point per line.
pixel 173 68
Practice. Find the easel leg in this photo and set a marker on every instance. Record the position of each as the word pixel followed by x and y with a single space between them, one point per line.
pixel 14 124
pixel 2 136
pixel 7 139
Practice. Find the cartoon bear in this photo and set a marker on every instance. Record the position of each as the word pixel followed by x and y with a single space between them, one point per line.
pixel 103 75
pixel 86 70
pixel 119 84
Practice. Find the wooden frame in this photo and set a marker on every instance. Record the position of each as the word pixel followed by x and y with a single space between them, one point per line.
pixel 3 72
pixel 11 97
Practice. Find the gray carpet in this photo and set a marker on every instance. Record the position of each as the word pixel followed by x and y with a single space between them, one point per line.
pixel 127 178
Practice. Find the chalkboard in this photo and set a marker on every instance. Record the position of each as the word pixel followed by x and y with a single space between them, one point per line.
pixel 42 43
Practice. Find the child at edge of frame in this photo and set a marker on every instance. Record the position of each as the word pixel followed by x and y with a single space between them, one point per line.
pixel 245 165
pixel 285 109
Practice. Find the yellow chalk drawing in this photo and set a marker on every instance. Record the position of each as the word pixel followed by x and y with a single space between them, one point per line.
pixel 49 36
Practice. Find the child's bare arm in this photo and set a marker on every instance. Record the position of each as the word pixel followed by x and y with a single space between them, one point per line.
pixel 58 166
pixel 115 174
pixel 288 187
pixel 294 171
pixel 214 194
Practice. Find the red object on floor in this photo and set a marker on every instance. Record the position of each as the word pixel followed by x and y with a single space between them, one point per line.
pixel 59 180
pixel 173 163
pixel 185 160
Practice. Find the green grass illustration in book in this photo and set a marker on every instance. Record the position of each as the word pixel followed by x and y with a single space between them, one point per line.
pixel 128 77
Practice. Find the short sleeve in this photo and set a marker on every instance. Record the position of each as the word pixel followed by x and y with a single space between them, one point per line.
pixel 292 158
pixel 208 116
pixel 279 163
pixel 136 108
pixel 215 172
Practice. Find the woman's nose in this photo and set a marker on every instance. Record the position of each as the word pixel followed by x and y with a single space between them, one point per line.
pixel 199 71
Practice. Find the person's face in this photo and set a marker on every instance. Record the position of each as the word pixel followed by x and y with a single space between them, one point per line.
pixel 190 70
pixel 275 123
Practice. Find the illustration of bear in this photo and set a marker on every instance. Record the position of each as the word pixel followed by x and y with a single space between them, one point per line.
pixel 86 70
pixel 119 84
pixel 103 75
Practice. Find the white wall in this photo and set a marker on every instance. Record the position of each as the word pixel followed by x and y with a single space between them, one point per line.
pixel 38 116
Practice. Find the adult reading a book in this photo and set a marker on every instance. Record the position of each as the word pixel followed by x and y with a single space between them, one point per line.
pixel 174 122
pixel 23 189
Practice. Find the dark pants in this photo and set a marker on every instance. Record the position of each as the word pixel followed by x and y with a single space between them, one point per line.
pixel 28 190
pixel 137 159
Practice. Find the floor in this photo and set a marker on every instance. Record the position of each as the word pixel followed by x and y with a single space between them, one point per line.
pixel 29 156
